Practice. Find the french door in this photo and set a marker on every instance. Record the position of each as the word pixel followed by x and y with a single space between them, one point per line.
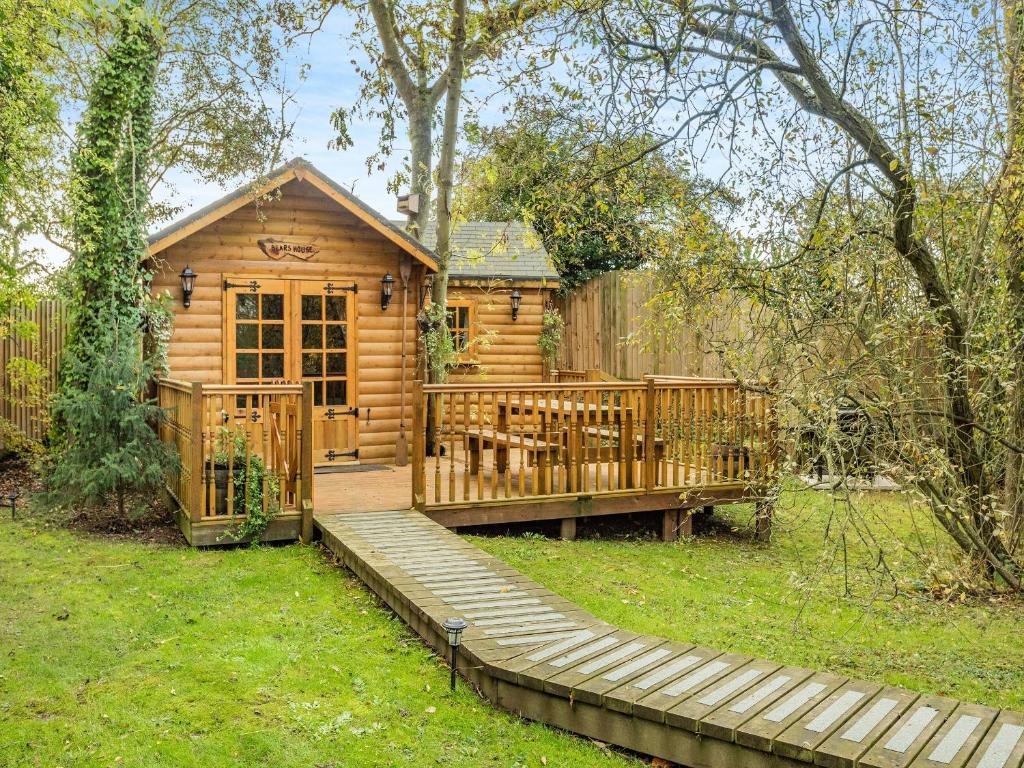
pixel 286 331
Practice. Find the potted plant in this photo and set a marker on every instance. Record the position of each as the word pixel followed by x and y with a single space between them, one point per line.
pixel 248 481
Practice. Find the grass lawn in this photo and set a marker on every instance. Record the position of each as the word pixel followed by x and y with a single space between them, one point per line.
pixel 119 653
pixel 786 602
pixel 116 653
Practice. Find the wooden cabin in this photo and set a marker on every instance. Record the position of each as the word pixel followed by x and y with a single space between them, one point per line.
pixel 294 351
pixel 288 288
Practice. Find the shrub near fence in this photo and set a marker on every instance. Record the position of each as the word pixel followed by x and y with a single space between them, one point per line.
pixel 24 400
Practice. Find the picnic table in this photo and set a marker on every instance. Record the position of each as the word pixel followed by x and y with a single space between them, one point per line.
pixel 561 436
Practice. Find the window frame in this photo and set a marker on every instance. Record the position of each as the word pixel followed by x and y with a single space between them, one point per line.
pixel 463 355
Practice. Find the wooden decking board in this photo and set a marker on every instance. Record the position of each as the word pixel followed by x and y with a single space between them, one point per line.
pixel 535 653
pixel 655 706
pixel 1003 745
pixel 689 713
pixel 894 748
pixel 948 746
pixel 802 737
pixel 585 681
pixel 845 747
pixel 744 706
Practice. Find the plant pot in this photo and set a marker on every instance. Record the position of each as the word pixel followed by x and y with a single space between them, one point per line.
pixel 220 486
pixel 735 452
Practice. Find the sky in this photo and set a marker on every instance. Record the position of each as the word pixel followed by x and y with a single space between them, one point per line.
pixel 330 83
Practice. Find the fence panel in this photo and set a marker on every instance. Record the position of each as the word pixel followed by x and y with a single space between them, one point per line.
pixel 25 405
pixel 604 329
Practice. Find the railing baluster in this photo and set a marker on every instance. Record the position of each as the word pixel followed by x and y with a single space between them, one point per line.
pixel 467 423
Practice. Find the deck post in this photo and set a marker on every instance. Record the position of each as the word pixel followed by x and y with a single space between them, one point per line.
pixel 198 458
pixel 627 449
pixel 419 448
pixel 650 417
pixel 567 530
pixel 306 463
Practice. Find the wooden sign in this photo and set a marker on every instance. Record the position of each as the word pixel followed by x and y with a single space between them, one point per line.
pixel 278 249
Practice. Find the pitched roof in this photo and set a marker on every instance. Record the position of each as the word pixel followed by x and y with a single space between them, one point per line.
pixel 301 169
pixel 495 249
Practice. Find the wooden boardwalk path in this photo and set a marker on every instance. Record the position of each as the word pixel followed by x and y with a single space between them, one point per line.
pixel 535 653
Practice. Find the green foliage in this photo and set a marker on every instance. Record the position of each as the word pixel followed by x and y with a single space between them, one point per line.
pixel 108 189
pixel 249 498
pixel 112 448
pixel 28 108
pixel 159 325
pixel 28 124
pixel 594 209
pixel 550 339
pixel 438 347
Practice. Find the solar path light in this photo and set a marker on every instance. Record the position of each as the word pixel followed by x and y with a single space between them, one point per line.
pixel 454 628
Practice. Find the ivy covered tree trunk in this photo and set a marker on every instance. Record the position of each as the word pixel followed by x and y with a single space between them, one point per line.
pixel 108 190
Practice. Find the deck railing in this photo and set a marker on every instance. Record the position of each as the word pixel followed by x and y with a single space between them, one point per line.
pixel 240 446
pixel 565 375
pixel 479 444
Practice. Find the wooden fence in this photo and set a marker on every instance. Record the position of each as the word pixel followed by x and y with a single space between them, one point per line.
pixel 496 444
pixel 24 400
pixel 240 445
pixel 604 329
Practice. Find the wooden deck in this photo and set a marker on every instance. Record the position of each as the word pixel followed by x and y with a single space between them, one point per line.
pixel 357 489
pixel 384 488
pixel 535 653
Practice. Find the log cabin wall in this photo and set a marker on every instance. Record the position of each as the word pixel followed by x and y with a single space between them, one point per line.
pixel 349 250
pixel 501 350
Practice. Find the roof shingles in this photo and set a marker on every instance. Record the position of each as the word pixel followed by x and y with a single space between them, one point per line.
pixel 495 249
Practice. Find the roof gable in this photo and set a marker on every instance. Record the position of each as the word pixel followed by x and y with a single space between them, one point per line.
pixel 297 169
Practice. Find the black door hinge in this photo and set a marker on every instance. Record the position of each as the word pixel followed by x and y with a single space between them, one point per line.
pixel 330 413
pixel 333 454
pixel 252 285
pixel 330 288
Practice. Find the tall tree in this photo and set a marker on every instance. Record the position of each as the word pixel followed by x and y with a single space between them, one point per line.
pixel 108 186
pixel 1012 205
pixel 28 125
pixel 878 136
pixel 220 111
pixel 420 54
pixel 548 166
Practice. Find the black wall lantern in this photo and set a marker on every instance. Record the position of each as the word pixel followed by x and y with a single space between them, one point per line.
pixel 517 298
pixel 188 284
pixel 387 287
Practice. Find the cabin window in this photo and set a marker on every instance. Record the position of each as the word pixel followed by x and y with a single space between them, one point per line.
pixel 460 324
pixel 259 337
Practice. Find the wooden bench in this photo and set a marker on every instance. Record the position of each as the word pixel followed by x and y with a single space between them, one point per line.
pixel 541 450
pixel 622 452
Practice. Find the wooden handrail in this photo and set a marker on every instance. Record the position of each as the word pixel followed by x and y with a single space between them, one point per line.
pixel 548 386
pixel 688 379
pixel 253 389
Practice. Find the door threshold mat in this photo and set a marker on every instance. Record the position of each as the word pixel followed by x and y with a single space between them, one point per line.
pixel 352 468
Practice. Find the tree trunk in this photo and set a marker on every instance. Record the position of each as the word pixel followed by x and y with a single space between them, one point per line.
pixel 421 140
pixel 446 165
pixel 1012 241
